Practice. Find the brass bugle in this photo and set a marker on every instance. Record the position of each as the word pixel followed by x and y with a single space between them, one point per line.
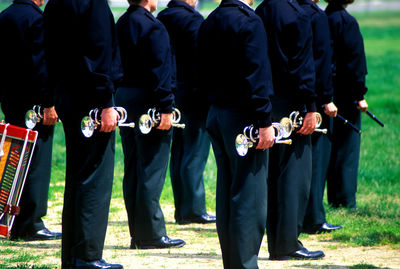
pixel 250 137
pixel 153 119
pixel 91 122
pixel 318 124
pixel 280 134
pixel 34 116
pixel 297 121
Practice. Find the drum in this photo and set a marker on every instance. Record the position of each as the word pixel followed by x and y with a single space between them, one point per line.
pixel 16 148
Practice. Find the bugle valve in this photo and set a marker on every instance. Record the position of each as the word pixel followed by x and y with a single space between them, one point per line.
pixel 91 122
pixel 250 136
pixel 297 121
pixel 153 119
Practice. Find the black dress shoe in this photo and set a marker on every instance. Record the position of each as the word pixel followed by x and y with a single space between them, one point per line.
pixel 301 254
pixel 204 219
pixel 43 234
pixel 323 228
pixel 163 242
pixel 97 264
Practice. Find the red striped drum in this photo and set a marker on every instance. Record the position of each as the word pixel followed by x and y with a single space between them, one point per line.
pixel 16 149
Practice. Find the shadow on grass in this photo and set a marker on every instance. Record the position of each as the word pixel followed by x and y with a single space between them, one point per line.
pixel 198 229
pixel 200 255
pixel 25 267
pixel 24 244
pixel 357 266
pixel 118 223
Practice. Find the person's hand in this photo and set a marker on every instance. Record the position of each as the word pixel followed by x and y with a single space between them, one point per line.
pixel 309 123
pixel 165 122
pixel 330 109
pixel 50 116
pixel 362 105
pixel 266 137
pixel 109 118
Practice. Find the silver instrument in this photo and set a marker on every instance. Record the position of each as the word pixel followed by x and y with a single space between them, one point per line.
pixel 297 121
pixel 34 116
pixel 91 122
pixel 250 137
pixel 153 119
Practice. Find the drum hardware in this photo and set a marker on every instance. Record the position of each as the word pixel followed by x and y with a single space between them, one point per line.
pixel 34 116
pixel 91 122
pixel 297 121
pixel 250 137
pixel 153 119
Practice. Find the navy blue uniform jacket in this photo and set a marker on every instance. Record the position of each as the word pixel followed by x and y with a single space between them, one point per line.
pixel 349 62
pixel 233 61
pixel 183 22
pixel 322 51
pixel 84 61
pixel 23 74
pixel 146 56
pixel 290 50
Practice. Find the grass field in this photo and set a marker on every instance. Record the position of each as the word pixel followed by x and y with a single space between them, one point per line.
pixel 377 221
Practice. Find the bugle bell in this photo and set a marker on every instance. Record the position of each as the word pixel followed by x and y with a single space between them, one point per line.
pixel 153 119
pixel 34 116
pixel 91 122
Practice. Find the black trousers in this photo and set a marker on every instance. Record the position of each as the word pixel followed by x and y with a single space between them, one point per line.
pixel 146 161
pixel 241 190
pixel 88 183
pixel 343 167
pixel 34 196
pixel 321 152
pixel 288 191
pixel 189 153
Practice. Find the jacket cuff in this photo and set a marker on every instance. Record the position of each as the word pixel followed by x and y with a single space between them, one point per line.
pixel 263 123
pixel 311 107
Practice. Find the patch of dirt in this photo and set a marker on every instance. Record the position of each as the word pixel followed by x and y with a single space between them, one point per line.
pixel 202 247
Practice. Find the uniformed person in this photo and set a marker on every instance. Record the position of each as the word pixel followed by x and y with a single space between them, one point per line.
pixel 190 146
pixel 235 76
pixel 349 71
pixel 146 60
pixel 83 62
pixel 290 50
pixel 315 220
pixel 23 78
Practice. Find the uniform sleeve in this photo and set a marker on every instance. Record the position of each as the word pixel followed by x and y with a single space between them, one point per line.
pixel 160 64
pixel 297 45
pixel 99 51
pixel 322 58
pixel 257 70
pixel 36 40
pixel 356 64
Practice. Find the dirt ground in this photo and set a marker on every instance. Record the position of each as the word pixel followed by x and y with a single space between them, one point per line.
pixel 202 248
